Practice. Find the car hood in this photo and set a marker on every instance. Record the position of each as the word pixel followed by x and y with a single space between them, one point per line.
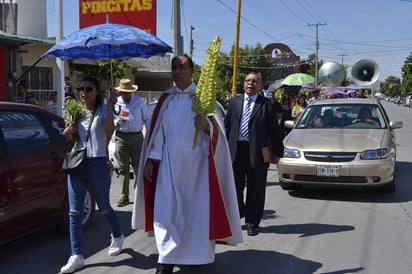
pixel 336 139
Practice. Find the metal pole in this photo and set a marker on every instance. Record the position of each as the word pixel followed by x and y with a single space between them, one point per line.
pixel 60 63
pixel 236 53
pixel 317 24
pixel 191 40
pixel 176 28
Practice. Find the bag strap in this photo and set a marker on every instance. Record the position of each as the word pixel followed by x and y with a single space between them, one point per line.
pixel 90 125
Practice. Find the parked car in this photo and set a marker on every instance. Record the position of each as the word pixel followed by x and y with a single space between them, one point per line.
pixel 407 102
pixel 350 151
pixel 33 191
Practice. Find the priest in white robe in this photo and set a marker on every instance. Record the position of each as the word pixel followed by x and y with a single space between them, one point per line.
pixel 185 195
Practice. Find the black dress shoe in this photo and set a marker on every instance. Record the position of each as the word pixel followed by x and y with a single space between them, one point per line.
pixel 252 230
pixel 164 269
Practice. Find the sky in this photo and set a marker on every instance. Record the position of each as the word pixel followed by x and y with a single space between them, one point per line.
pixel 349 30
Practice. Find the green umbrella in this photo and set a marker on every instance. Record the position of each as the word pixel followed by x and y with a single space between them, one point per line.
pixel 298 79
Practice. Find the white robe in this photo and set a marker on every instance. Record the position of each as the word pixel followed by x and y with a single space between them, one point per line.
pixel 182 197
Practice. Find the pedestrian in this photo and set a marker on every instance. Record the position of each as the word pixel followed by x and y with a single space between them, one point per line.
pixel 21 94
pixel 31 100
pixel 252 133
pixel 68 90
pixel 96 178
pixel 185 193
pixel 286 114
pixel 299 107
pixel 52 103
pixel 361 93
pixel 131 114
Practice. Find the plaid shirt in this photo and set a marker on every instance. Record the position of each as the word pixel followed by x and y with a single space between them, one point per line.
pixel 21 98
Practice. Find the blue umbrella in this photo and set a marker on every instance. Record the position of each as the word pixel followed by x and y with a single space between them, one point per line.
pixel 108 41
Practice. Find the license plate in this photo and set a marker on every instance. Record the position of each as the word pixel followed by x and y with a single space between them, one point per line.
pixel 327 171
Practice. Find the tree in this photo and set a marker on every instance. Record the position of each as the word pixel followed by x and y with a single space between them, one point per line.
pixel 391 86
pixel 251 59
pixel 406 86
pixel 118 67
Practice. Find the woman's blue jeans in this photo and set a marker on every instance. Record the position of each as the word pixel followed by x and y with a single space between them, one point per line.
pixel 97 180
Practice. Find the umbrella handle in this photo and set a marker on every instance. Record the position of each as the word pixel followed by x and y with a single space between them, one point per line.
pixel 27 70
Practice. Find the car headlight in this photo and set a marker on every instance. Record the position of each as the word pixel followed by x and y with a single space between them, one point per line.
pixel 381 153
pixel 291 153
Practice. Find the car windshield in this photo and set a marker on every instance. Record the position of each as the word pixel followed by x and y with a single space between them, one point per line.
pixel 342 116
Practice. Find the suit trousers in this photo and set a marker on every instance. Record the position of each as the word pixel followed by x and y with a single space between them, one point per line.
pixel 253 180
pixel 127 151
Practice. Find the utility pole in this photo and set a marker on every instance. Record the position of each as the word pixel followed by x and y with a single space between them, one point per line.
pixel 317 24
pixel 191 40
pixel 236 53
pixel 176 28
pixel 342 55
pixel 59 63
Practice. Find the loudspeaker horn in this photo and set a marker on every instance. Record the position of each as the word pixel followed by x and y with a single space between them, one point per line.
pixel 331 74
pixel 365 72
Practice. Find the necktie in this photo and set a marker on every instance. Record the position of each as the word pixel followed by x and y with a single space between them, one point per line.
pixel 244 131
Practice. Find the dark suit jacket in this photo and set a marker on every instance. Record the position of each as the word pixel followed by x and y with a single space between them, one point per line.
pixel 263 128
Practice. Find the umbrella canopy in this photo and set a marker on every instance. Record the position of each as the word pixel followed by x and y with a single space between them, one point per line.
pixel 308 87
pixel 337 92
pixel 108 41
pixel 354 86
pixel 298 79
pixel 275 85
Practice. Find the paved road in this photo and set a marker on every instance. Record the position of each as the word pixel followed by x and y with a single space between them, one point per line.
pixel 312 231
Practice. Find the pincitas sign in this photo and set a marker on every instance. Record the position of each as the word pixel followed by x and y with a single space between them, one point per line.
pixel 137 13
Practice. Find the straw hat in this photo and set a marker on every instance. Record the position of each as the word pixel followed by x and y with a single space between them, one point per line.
pixel 125 85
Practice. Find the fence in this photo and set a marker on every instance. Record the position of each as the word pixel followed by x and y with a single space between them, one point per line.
pixel 43 96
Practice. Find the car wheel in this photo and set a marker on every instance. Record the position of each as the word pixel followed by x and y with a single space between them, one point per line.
pixel 88 214
pixel 288 186
pixel 388 188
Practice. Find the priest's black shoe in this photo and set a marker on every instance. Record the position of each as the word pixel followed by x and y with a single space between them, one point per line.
pixel 252 230
pixel 164 269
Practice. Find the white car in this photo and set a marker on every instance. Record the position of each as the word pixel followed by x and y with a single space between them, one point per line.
pixel 354 146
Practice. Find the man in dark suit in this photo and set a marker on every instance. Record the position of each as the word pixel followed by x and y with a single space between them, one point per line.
pixel 251 127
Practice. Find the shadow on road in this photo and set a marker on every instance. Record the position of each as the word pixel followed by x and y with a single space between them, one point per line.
pixel 306 230
pixel 48 242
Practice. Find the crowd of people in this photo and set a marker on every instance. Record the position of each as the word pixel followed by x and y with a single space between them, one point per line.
pixel 189 210
pixel 293 104
pixel 23 95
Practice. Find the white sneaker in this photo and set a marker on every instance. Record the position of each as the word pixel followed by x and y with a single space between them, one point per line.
pixel 74 263
pixel 116 245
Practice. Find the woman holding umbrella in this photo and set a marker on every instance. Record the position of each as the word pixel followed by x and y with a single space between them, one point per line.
pixel 97 124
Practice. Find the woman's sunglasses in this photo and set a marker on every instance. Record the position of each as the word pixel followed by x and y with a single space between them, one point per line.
pixel 86 89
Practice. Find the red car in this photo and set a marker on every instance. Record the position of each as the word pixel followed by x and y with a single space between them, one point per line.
pixel 33 191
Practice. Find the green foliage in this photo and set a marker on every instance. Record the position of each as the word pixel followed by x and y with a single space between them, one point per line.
pixel 406 86
pixel 391 86
pixel 250 59
pixel 205 98
pixel 74 111
pixel 119 69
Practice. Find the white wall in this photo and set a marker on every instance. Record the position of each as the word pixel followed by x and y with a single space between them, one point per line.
pixel 32 18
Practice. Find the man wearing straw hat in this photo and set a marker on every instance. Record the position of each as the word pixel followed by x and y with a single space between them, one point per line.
pixel 130 114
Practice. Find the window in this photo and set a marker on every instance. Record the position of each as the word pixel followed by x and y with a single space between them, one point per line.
pixel 22 131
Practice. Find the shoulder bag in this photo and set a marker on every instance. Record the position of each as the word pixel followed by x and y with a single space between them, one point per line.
pixel 75 161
